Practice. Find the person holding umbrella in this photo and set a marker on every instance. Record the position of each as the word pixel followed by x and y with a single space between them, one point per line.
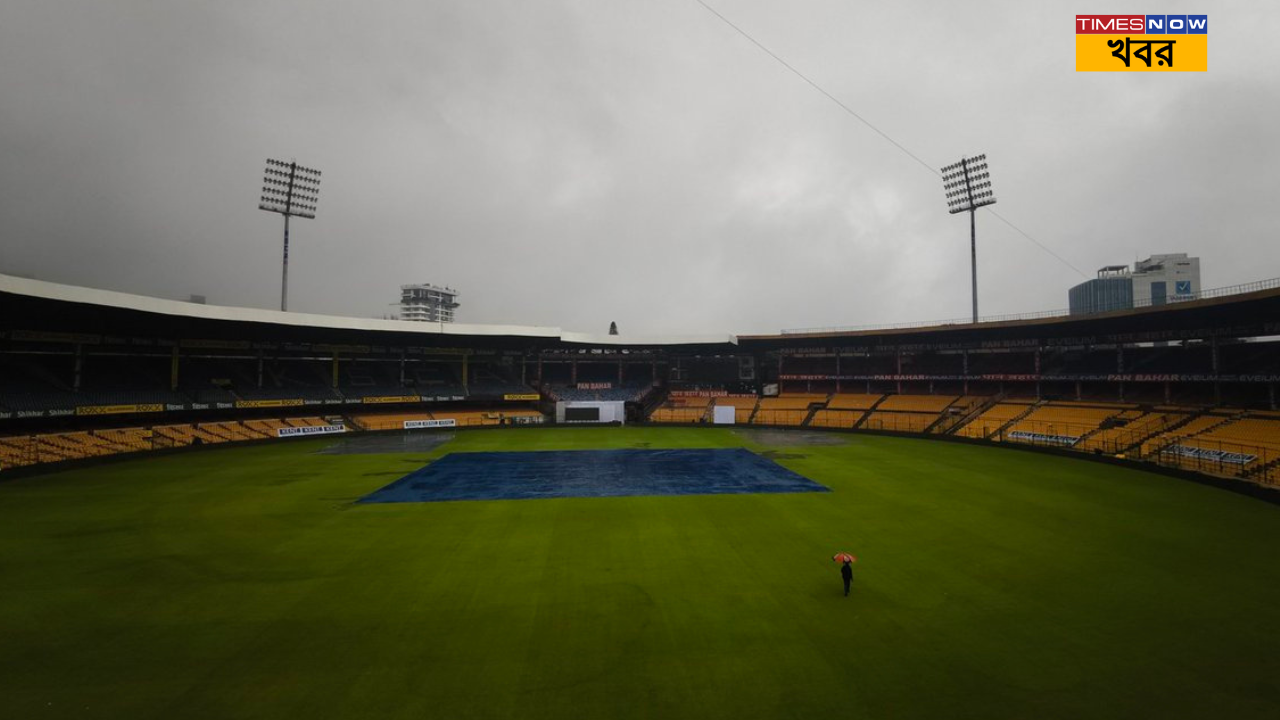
pixel 846 569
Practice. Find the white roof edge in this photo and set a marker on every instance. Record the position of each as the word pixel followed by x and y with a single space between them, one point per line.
pixel 143 303
pixel 595 339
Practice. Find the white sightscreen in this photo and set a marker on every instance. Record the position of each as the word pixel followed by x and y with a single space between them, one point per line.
pixel 575 411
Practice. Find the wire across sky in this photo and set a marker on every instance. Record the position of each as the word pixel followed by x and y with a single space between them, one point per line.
pixel 867 123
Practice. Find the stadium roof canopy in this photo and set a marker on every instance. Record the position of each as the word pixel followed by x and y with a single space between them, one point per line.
pixel 35 305
pixel 1244 315
pixel 38 306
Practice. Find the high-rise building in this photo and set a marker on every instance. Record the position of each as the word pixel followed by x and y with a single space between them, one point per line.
pixel 1111 290
pixel 1165 278
pixel 427 303
pixel 1157 280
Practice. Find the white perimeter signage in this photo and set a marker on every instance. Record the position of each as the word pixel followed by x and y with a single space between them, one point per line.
pixel 311 430
pixel 1044 439
pixel 725 415
pixel 419 424
pixel 1234 458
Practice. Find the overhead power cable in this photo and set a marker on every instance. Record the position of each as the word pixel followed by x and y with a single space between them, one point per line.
pixel 853 113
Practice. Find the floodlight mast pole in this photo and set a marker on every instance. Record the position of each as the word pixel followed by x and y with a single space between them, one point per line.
pixel 973 237
pixel 284 270
pixel 968 187
pixel 284 265
pixel 973 259
pixel 291 190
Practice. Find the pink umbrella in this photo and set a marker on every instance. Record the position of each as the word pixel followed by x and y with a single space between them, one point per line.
pixel 844 557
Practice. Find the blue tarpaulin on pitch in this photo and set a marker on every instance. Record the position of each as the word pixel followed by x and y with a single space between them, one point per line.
pixel 592 473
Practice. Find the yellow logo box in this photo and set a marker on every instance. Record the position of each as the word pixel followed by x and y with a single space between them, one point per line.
pixel 1145 53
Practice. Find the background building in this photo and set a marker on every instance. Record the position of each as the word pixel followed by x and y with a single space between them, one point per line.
pixel 1165 278
pixel 1157 280
pixel 427 303
pixel 1111 290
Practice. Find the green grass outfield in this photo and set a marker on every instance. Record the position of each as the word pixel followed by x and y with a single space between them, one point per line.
pixel 242 583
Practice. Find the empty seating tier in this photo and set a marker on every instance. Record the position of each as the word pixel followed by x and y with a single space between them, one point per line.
pixel 1240 435
pixel 1073 421
pixel 744 406
pixel 844 401
pixel 836 418
pixel 1119 438
pixel 992 419
pixel 917 403
pixel 791 402
pixel 682 409
pixel 679 414
pixel 908 422
pixel 1194 427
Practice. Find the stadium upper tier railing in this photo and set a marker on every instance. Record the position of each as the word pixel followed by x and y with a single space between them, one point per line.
pixel 1045 314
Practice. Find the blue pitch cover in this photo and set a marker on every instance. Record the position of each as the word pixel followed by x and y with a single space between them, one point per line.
pixel 592 473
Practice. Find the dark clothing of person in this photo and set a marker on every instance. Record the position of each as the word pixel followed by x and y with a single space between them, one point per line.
pixel 846 572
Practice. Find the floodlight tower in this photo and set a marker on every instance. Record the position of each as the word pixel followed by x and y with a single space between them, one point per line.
pixel 291 190
pixel 968 186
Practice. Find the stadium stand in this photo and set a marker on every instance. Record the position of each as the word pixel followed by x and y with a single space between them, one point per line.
pixel 996 418
pixel 22 450
pixel 1121 436
pixel 1064 420
pixel 909 422
pixel 1251 432
pixel 491 382
pixel 679 415
pixel 1194 426
pixel 917 403
pixel 845 410
pixel 912 413
pixel 460 417
pixel 1193 384
pixel 683 408
pixel 744 407
pixel 387 421
pixel 481 418
pixel 629 393
pixel 845 401
pixel 126 439
pixel 26 386
pixel 843 419
pixel 792 409
pixel 266 428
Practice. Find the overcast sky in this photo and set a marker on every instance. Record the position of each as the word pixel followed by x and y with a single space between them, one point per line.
pixel 571 163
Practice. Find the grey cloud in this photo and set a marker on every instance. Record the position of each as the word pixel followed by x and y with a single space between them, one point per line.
pixel 575 163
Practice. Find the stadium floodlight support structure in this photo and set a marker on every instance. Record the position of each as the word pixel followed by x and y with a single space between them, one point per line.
pixel 968 187
pixel 291 190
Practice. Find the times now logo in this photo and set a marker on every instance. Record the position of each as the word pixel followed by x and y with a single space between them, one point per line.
pixel 1142 43
pixel 1142 24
